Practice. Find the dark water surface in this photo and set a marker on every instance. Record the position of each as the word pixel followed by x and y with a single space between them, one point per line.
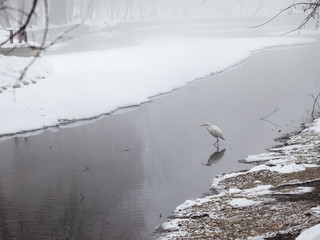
pixel 121 176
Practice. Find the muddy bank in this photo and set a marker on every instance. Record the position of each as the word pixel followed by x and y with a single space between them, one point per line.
pixel 276 199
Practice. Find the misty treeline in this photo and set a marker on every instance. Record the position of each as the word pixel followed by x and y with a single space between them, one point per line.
pixel 21 15
pixel 13 12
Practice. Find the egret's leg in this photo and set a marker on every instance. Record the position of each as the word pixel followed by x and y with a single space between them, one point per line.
pixel 217 143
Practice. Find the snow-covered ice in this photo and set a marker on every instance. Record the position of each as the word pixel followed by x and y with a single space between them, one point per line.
pixel 89 84
pixel 11 67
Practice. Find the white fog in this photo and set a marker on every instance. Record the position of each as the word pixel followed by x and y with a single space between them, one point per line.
pixel 101 106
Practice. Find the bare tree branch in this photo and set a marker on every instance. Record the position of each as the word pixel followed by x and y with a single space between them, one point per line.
pixel 26 23
pixel 313 6
pixel 4 8
pixel 314 104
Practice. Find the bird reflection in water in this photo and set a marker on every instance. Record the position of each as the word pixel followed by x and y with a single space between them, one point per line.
pixel 215 157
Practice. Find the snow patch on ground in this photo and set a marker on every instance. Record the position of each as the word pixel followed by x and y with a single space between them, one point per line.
pixel 285 167
pixel 257 191
pixel 255 238
pixel 11 68
pixel 316 126
pixel 316 210
pixel 297 190
pixel 243 202
pixel 179 211
pixel 301 146
pixel 215 182
pixel 171 226
pixel 88 84
pixel 312 233
pixel 261 157
pixel 289 168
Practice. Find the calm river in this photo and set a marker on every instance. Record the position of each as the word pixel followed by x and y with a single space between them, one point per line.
pixel 121 176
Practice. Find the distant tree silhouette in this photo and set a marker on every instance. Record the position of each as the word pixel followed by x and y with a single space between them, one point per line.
pixel 17 16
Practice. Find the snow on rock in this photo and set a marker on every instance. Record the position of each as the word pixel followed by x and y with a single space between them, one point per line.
pixel 190 203
pixel 255 238
pixel 316 210
pixel 282 168
pixel 170 226
pixel 312 233
pixel 261 157
pixel 300 148
pixel 243 202
pixel 257 191
pixel 215 182
pixel 316 126
pixel 89 84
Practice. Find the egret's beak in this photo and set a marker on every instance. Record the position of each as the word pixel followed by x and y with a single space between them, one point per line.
pixel 202 125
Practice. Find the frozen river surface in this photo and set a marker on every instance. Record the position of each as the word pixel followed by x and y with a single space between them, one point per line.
pixel 121 176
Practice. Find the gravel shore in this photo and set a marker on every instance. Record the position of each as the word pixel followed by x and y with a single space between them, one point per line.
pixel 276 199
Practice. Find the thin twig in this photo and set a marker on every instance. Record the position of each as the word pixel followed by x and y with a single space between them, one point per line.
pixel 82 197
pixel 4 8
pixel 267 120
pixel 315 102
pixel 274 124
pixel 274 111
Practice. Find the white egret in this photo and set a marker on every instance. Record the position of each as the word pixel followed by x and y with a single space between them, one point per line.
pixel 214 131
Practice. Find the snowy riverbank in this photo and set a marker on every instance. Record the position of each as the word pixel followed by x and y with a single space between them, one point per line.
pixel 90 84
pixel 11 68
pixel 274 200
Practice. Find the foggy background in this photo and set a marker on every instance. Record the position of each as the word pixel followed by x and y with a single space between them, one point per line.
pixel 117 11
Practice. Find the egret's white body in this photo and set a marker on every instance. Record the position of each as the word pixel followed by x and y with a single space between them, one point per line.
pixel 214 131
